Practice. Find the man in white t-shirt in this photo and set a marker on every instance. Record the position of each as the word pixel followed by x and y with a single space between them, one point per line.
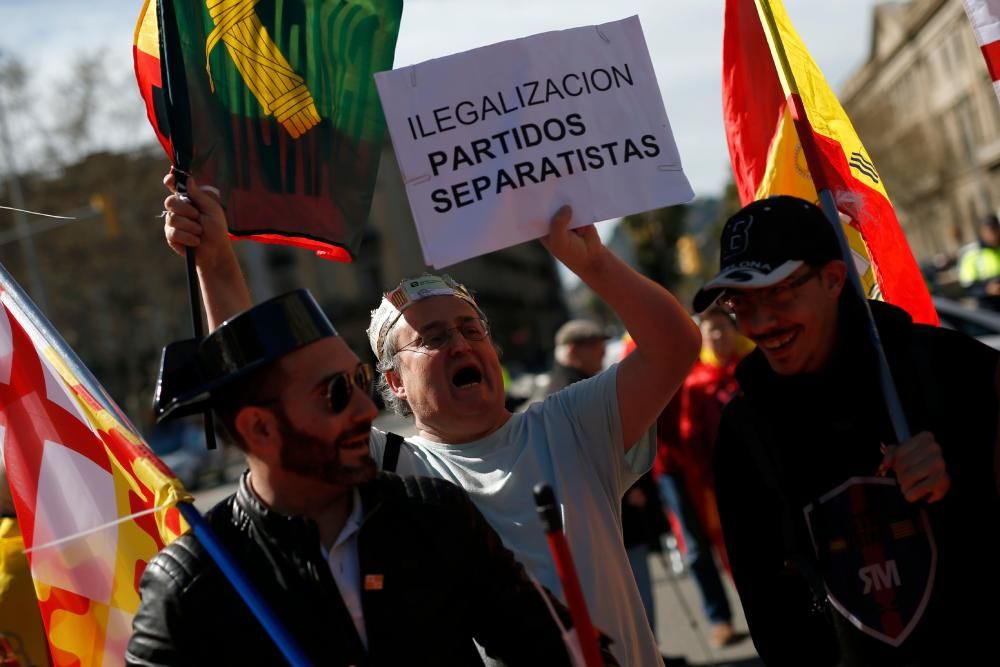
pixel 589 442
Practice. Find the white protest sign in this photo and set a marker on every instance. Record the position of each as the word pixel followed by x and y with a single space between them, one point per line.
pixel 492 141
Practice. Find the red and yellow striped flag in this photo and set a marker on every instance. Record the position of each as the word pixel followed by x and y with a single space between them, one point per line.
pixel 788 135
pixel 146 57
pixel 93 503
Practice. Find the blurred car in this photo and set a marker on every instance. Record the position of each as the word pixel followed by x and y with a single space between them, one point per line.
pixel 983 325
pixel 180 444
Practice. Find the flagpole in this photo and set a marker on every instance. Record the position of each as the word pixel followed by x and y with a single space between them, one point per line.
pixel 803 129
pixel 175 86
pixel 234 573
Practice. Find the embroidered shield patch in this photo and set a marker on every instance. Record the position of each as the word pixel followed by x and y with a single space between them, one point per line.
pixel 877 556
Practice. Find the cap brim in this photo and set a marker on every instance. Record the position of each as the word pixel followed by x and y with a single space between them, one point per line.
pixel 742 277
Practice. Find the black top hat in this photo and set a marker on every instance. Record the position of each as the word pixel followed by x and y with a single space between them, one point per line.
pixel 765 242
pixel 193 371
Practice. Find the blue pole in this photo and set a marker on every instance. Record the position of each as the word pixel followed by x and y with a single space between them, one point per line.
pixel 232 571
pixel 890 394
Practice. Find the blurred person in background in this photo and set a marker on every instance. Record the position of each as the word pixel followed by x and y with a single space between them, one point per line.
pixel 979 266
pixel 579 353
pixel 686 434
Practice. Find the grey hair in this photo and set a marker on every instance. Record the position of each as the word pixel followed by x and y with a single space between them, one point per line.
pixel 390 364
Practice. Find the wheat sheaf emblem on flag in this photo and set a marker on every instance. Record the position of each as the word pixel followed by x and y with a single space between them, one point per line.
pixel 280 91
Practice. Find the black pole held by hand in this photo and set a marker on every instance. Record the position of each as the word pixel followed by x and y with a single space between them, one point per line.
pixel 194 297
pixel 178 117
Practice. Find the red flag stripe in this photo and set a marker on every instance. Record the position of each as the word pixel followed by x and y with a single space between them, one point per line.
pixel 991 52
pixel 887 244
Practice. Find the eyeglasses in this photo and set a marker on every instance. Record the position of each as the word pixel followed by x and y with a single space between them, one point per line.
pixel 779 296
pixel 340 386
pixel 437 336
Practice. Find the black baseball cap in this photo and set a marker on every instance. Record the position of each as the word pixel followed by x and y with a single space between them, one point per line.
pixel 765 242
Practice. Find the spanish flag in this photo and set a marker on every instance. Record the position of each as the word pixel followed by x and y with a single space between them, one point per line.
pixel 275 105
pixel 788 135
pixel 93 504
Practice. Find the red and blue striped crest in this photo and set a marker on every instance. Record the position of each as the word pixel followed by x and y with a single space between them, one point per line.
pixel 877 556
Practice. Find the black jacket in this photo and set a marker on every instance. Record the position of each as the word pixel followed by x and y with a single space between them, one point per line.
pixel 791 442
pixel 445 579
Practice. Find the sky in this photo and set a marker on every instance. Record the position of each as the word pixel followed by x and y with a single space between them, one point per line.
pixel 684 39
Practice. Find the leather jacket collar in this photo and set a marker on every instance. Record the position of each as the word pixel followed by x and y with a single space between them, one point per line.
pixel 279 528
pixel 291 529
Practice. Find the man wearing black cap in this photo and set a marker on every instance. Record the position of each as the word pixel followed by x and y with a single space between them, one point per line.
pixel 847 549
pixel 362 569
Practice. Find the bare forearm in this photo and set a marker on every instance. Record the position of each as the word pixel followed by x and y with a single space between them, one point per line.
pixel 667 341
pixel 224 291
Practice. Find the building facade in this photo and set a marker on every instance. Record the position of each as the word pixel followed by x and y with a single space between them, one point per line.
pixel 924 106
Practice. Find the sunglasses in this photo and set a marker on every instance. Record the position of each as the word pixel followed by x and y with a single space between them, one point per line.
pixel 340 386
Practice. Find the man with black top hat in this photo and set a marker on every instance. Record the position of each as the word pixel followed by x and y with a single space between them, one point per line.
pixel 362 569
pixel 847 547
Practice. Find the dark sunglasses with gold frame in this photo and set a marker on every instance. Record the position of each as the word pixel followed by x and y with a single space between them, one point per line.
pixel 340 386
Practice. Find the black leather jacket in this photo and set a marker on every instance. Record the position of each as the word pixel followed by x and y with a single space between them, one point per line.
pixel 446 579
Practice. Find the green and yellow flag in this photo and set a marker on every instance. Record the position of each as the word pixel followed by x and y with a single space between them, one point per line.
pixel 273 102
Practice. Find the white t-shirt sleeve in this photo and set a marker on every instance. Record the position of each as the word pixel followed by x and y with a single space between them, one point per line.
pixel 590 408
